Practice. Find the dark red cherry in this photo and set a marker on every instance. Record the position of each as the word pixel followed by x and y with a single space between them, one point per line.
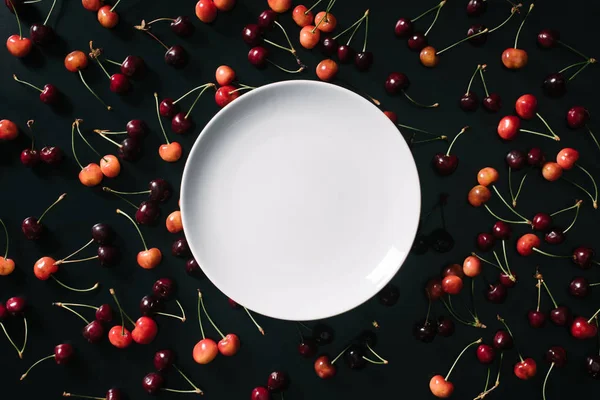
pixel 192 268
pixel 496 293
pixel 150 305
pixel 181 124
pixel 182 26
pixel 579 287
pixel 160 190
pixel 417 41
pixel 536 157
pixel 119 84
pixel 424 331
pixel 108 255
pixel 396 82
pixel 485 241
pixel 503 340
pixel 115 394
pixel 168 108
pixel 257 56
pixel 541 222
pixel 536 318
pixel 345 54
pixel 130 149
pixel 444 164
pixel 506 279
pixel 180 248
pixel 555 235
pixel 583 256
pixel 501 230
pixel 516 159
pixel 329 46
pixel 481 38
pixel 556 355
pixel 548 38
pixel 41 34
pixel 485 354
pixel 147 213
pixel 31 228
pixel 592 366
pixel 103 233
pixel 104 313
pixel 251 35
pixel 307 347
pixel 63 353
pixel 176 56
pixel 133 66
pixel 163 359
pixel 445 326
pixel 30 157
pixel 136 128
pixel 153 383
pixel 403 28
pixel 266 20
pixel 577 117
pixel 468 102
pixel 51 155
pixel 93 332
pixel 278 382
pixel 363 60
pixel 50 94
pixel 476 7
pixel 492 103
pixel 560 315
pixel 15 306
pixel 164 288
pixel 555 85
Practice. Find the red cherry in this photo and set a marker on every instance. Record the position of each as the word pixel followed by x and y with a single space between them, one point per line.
pixel 526 106
pixel 485 354
pixel 525 369
pixel 526 244
pixel 119 83
pixel 44 268
pixel 119 337
pixel 577 117
pixel 145 330
pixel 107 17
pixel 440 387
pixel 508 127
pixel 552 171
pixel 452 284
pixel 324 368
pixel 206 11
pixel 225 95
pixel 229 345
pixel 567 158
pixel 581 328
pixel 205 351
pixel 19 46
pixel 260 393
pixel 8 130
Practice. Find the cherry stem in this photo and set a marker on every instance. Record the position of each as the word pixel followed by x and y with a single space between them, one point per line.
pixel 556 137
pixel 180 391
pixel 375 354
pixel 487 382
pixel 339 355
pixel 504 220
pixel 6 236
pixel 522 23
pixel 462 41
pixel 354 25
pixel 454 140
pixel 590 61
pixel 374 362
pixel 107 132
pixel 109 139
pixel 181 318
pixel 26 83
pixel 313 6
pixel 539 294
pixel 460 355
pixel 510 275
pixel 548 254
pixel 546 381
pixel 79 260
pixel 157 39
pixel 443 137
pixel 278 46
pixel 292 49
pixel 509 207
pixel 473 299
pixel 568 67
pixel 496 384
pixel 487 261
pixel 416 129
pixel 190 92
pixel 137 228
pixel 416 103
pixel 241 88
pixel 514 198
pixel 427 12
pixel 208 316
pixel 450 309
pixel 549 293
pixel 75 289
pixel 509 332
pixel 284 69
pixel 594 201
pixel 196 389
pixel 61 305
pixel 260 329
pixel 113 62
pixel 159 19
pixel 36 363
pixel 473 77
pixel 115 6
pixel 82 396
pixel 102 66
pixel 114 296
pixel 73 145
pixel 162 128
pixel 50 12
pixel 437 13
pixel 74 253
pixel 30 126
pixel 208 85
pixel 62 196
pixel 572 49
pixel 593 136
pixel 109 190
pixel 77 121
pixel 17 16
pixel 481 69
pixel 593 316
pixel 366 33
pixel 200 315
pixel 499 262
pixel 92 92
pixel 593 182
pixel 513 11
pixel 20 354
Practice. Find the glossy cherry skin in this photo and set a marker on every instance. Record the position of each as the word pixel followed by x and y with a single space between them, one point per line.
pixel 555 85
pixel 496 293
pixel 251 35
pixel 136 128
pixel 526 106
pixel 278 381
pixel 551 171
pixel 163 359
pixel 514 58
pixel 481 38
pixel 49 94
pixel 30 157
pixel 508 127
pixel 582 329
pixel 8 130
pixel 417 41
pixel 15 305
pixel 51 155
pixel 167 108
pixel 536 157
pixel 107 18
pixel 541 222
pixel 536 319
pixel 225 95
pixel 147 213
pixel 560 315
pixel 476 7
pixel 323 334
pixel 145 330
pixel 440 387
pixel 396 82
pixel 180 248
pixel 526 243
pixel 119 84
pixel 554 236
pixel 130 149
pixel 353 357
pixel 327 70
pixel 182 26
pixel 592 366
pixel 150 305
pixel 468 102
pixel 205 351
pixel 149 259
pixel 503 340
pixel 579 287
pixel 577 117
pixel 501 230
pixel 434 289
pixel 104 313
pixel 516 159
pixel 176 56
pixel 41 34
pixel 443 164
pixel 445 326
pixel 472 266
pixel 485 354
pixel 307 347
pixel 92 5
pixel 63 353
pixel 507 280
pixel 76 61
pixel 404 27
pixel 424 331
pixel 32 229
pixel 363 60
pixel 324 368
pixel 206 11
pixel 329 46
pixel 525 369
pixel 119 337
pixel 18 46
pixel 452 284
pixel 485 241
pixel 181 124
pixel 346 54
pixel 548 38
pixel 170 152
pixel 192 268
pixel 93 332
pixel 567 158
pixel 260 393
pixel 257 56
pixel 114 394
pixel 153 383
pixel 583 256
pixel 492 103
pixel 267 18
pixel 133 66
pixel 108 256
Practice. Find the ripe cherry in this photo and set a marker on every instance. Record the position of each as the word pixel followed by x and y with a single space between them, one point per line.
pixel 514 58
pixel 32 227
pixel 496 293
pixel 63 354
pixel 439 385
pixel 260 393
pixel 225 95
pixel 148 258
pixel 93 332
pixel 446 164
pixel 309 36
pixel 404 27
pixel 206 11
pixel 49 94
pixel 8 130
pixel 224 75
pixel 452 284
pixel 552 171
pixel 278 381
pixel 267 18
pixel 525 369
pixel 579 287
pixel 280 6
pixel 145 330
pixel 327 70
pixel 577 117
pixel 485 241
pixel 104 313
pixel 555 85
pixel 301 15
pixel 476 7
pixel 485 354
pixel 582 328
pixel 17 45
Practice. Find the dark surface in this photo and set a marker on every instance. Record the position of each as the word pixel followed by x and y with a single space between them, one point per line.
pixel 99 367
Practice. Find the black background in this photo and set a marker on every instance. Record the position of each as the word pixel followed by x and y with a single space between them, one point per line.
pixel 98 367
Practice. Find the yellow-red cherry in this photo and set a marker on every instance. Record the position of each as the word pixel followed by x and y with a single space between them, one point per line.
pixel 302 17
pixel 429 57
pixel 170 152
pixel 452 284
pixel 487 176
pixel 173 222
pixel 224 5
pixel 280 6
pixel 8 130
pixel 7 266
pixel 110 166
pixel 229 345
pixel 224 75
pixel 206 11
pixel 567 158
pixel 92 5
pixel 328 24
pixel 552 171
pixel 514 58
pixel 479 195
pixel 149 259
pixel 76 61
pixel 472 266
pixel 44 268
pixel 508 127
pixel 91 175
pixel 309 37
pixel 527 243
pixel 107 18
pixel 18 46
pixel 145 330
pixel 526 106
pixel 205 351
pixel 327 70
pixel 440 387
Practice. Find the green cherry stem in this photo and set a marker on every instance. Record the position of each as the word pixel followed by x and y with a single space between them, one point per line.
pixel 34 364
pixel 118 194
pixel 549 293
pixel 513 11
pixel 523 23
pixel 477 69
pixel 546 381
pixel 511 276
pixel 483 32
pixel 62 196
pixel 49 12
pixel 137 228
pixel 454 140
pixel 77 122
pixel 208 85
pixel 487 261
pixel 115 6
pixel 162 128
pixel 590 61
pixel 432 9
pixel 19 352
pixel 200 314
pixel 311 7
pixel 568 67
pixel 499 263
pixel 416 129
pixel 357 22
pixel 61 305
pixel 556 137
pixel 94 287
pixel 181 318
pixel 505 220
pixel 460 355
pixel 509 207
pixel 196 389
pixel 443 137
pixel 73 145
pixel 573 49
pixel 366 33
pixel 17 17
pixel 27 83
pixel 581 188
pixel 481 69
pixel 208 316
pixel 574 218
pixel 63 260
pixel 92 92
pixel 190 92
pixel 437 14
pixel 416 103
pixel 593 183
pixel 260 329
pixel 496 383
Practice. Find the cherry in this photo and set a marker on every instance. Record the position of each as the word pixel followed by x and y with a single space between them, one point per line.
pixel 119 84
pixel 323 334
pixel 477 34
pixel 164 288
pixel 51 155
pixel 63 354
pixel 224 75
pixel 389 295
pixel 278 381
pixel 145 330
pixel 472 266
pixel 104 313
pixel 508 127
pixel 327 70
pixel 173 222
pixel 309 36
pixel 153 382
pixel 280 6
pixel 206 11
pixel 230 343
pixel 446 164
pixel 434 289
pixel 107 17
pixel 452 284
pixel 560 315
pixel 404 27
pixel 168 108
pixel 15 305
pixel 557 357
pixel 7 265
pixel 476 7
pixel 307 347
pixel 453 269
pixel 583 257
pixel 92 5
pixel 147 213
pixel 445 327
pixel 396 82
pixel 525 369
pixel 225 95
pixel 567 158
pixel 579 287
pixel 536 319
pixel 49 94
pixel 508 280
pixel 251 35
pixel 8 130
pixel 150 305
pixel 496 293
pixel 548 38
pixel 133 66
pixel 354 357
pixel 32 227
pixel 148 258
pixel 555 85
pixel 182 26
pixel 469 100
pixel 192 268
pixel 267 18
pixel 501 230
pixel 512 57
pixel 108 255
pixel 503 340
pixel 180 248
pixel 42 34
pixel 93 332
pixel 119 336
pixel 346 54
pixel 526 106
pixel 417 41
pixel 170 152
pixel 535 157
pixel 577 117
pixel 30 157
pixel 485 241
pixel 176 56
pixel 527 243
pixel 492 103
pixel 324 368
pixel 76 61
pixel 424 331
pixel 552 171
pixel 592 366
pixel 17 45
pixel 485 354
pixel 541 222
pixel 260 393
pixel 257 56
pixel 325 21
pixel 439 385
pixel 582 328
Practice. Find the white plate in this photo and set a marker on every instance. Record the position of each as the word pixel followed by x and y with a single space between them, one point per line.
pixel 300 200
